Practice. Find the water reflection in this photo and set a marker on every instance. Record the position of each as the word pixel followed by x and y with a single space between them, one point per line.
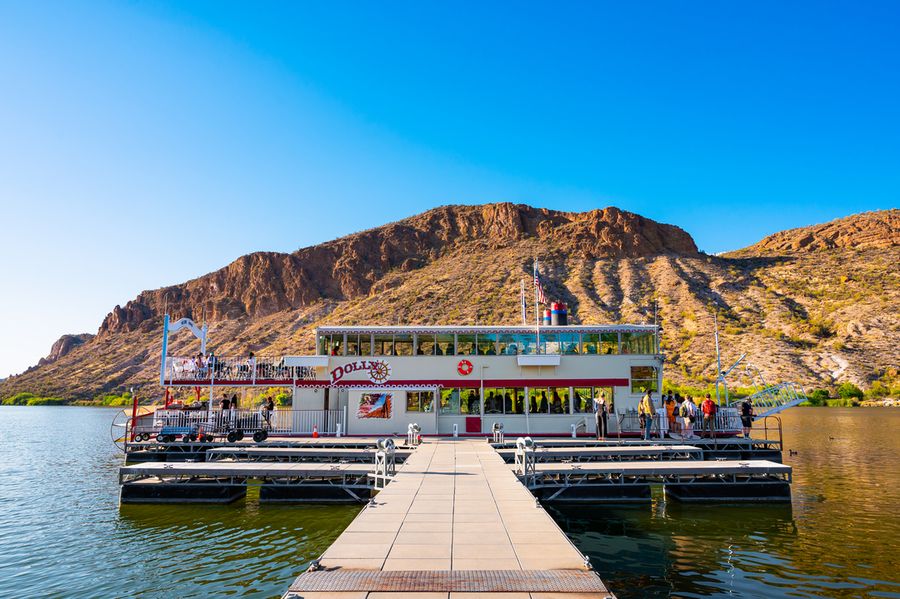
pixel 63 533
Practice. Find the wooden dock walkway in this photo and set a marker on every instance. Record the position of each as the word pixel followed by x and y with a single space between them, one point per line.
pixel 455 522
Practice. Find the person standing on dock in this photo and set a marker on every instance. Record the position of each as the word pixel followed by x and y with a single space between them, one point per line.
pixel 646 413
pixel 709 415
pixel 689 415
pixel 679 401
pixel 670 414
pixel 747 416
pixel 601 415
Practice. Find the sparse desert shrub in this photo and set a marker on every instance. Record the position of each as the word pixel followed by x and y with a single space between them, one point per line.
pixel 849 391
pixel 877 390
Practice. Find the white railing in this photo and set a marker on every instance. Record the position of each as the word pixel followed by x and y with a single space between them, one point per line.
pixel 727 420
pixel 285 422
pixel 227 369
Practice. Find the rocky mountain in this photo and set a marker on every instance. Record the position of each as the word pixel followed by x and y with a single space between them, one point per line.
pixel 818 310
pixel 63 346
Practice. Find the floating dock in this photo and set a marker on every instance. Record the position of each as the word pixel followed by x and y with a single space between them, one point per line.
pixel 610 453
pixel 454 519
pixel 224 482
pixel 708 481
pixel 299 454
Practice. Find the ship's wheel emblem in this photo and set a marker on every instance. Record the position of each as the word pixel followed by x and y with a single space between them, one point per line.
pixel 379 372
pixel 464 367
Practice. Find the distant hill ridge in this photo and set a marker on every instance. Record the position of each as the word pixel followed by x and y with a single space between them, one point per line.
pixel 803 302
pixel 868 230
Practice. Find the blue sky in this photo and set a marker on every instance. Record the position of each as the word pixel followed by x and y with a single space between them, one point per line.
pixel 143 144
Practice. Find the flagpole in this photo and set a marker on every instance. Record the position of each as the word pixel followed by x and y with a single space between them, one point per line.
pixel 523 302
pixel 537 316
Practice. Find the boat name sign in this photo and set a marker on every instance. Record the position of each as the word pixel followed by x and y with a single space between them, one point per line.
pixel 379 371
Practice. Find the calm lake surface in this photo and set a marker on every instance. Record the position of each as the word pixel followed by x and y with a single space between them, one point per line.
pixel 62 533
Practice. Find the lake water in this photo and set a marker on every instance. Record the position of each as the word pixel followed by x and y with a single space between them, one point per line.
pixel 63 534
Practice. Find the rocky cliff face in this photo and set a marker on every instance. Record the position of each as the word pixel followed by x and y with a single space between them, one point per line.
pixel 261 284
pixel 812 311
pixel 869 230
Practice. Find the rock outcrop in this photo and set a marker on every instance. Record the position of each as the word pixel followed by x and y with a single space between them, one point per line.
pixel 869 230
pixel 63 346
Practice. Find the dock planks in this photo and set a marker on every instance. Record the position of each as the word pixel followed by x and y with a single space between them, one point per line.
pixel 457 515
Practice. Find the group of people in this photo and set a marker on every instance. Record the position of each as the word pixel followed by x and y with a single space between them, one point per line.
pixel 682 415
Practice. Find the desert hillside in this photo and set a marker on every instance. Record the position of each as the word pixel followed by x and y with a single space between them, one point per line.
pixel 817 305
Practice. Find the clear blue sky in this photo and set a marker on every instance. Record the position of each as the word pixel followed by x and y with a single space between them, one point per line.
pixel 143 144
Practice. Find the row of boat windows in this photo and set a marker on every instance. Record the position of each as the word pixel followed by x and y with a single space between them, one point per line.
pixel 541 400
pixel 484 344
pixel 509 400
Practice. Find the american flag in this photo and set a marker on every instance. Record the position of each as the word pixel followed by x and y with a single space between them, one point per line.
pixel 542 299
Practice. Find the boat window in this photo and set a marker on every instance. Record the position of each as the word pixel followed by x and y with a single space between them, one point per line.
pixel 582 400
pixel 352 344
pixel 446 345
pixel 493 400
pixel 419 401
pixel 469 402
pixel 465 344
pixel 507 345
pixel 365 344
pixel 549 343
pixel 559 400
pixel 487 344
pixel 638 343
pixel 609 343
pixel 525 344
pixel 607 394
pixel 644 378
pixel 568 343
pixel 515 400
pixel 538 402
pixel 590 343
pixel 384 345
pixel 449 401
pixel 425 344
pixel 336 345
pixel 322 345
pixel 403 344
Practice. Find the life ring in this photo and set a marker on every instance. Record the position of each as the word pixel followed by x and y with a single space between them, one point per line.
pixel 464 367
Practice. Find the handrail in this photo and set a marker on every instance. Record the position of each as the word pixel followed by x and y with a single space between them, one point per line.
pixel 225 369
pixel 218 421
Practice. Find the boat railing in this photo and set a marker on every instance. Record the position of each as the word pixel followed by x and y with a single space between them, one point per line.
pixel 727 420
pixel 283 422
pixel 230 369
pixel 768 428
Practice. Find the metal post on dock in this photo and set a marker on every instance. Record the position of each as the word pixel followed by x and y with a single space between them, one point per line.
pixel 524 460
pixel 385 462
pixel 497 429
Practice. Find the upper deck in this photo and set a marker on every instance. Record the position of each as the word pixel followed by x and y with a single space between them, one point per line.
pixel 428 357
pixel 486 340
